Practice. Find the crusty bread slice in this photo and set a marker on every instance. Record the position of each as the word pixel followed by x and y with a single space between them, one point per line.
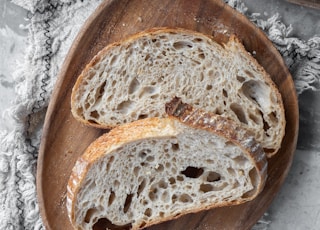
pixel 157 169
pixel 132 79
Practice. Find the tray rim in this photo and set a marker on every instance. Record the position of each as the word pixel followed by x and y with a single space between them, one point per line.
pixel 60 80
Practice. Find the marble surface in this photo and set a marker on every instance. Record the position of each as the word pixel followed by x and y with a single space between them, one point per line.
pixel 297 206
pixel 13 39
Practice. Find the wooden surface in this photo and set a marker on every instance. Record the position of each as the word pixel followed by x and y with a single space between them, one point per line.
pixel 308 3
pixel 64 139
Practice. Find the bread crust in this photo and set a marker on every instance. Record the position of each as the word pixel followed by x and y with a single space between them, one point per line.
pixel 233 44
pixel 221 126
pixel 151 127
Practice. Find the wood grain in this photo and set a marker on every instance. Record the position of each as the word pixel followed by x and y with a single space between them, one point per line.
pixel 308 3
pixel 64 139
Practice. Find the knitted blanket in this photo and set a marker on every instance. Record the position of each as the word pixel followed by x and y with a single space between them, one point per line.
pixel 53 25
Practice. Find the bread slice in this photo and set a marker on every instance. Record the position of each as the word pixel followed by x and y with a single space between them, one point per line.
pixel 157 169
pixel 133 78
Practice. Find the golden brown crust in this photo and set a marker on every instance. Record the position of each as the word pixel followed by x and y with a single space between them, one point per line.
pixel 234 45
pixel 235 41
pixel 151 127
pixel 78 173
pixel 221 126
pixel 102 145
pixel 144 128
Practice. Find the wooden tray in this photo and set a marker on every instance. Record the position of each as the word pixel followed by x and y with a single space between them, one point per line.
pixel 308 3
pixel 64 139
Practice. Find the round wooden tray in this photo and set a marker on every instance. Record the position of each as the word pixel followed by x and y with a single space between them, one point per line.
pixel 64 139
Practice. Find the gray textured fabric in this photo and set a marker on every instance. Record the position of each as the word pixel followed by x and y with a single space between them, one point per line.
pixel 52 28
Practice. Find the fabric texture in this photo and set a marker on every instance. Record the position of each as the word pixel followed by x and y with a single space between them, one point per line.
pixel 53 25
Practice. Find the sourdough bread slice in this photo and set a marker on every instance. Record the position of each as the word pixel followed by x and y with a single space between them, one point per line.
pixel 157 169
pixel 133 78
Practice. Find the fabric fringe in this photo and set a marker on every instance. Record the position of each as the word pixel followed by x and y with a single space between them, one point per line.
pixel 301 57
pixel 52 28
